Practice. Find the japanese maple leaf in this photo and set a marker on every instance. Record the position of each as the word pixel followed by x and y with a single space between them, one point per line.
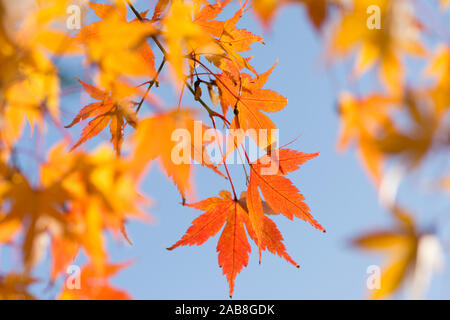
pixel 182 34
pixel 63 253
pixel 108 111
pixel 413 138
pixel 42 213
pixel 38 27
pixel 233 246
pixel 234 41
pixel 115 44
pixel 361 118
pixel 279 192
pixel 30 81
pixel 31 94
pixel 371 123
pixel 317 11
pixel 205 15
pixel 404 248
pixel 249 99
pixel 96 286
pixel 103 197
pixel 160 7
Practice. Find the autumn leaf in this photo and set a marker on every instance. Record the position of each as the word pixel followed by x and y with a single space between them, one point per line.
pixel 38 29
pixel 101 197
pixel 270 237
pixel 317 11
pixel 116 114
pixel 266 9
pixel 205 15
pixel 238 40
pixel 116 45
pixel 96 286
pixel 160 7
pixel 371 124
pixel 249 99
pixel 279 192
pixel 30 97
pixel 361 119
pixel 414 142
pixel 400 247
pixel 182 34
pixel 63 252
pixel 41 213
pixel 233 246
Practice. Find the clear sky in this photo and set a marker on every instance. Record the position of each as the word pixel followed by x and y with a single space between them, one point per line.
pixel 336 188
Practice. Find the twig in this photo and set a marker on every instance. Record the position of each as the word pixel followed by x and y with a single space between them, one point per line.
pixel 161 66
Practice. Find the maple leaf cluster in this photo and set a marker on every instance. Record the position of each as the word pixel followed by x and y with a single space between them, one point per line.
pixel 80 195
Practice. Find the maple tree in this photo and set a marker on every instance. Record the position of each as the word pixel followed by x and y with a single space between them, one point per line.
pixel 78 194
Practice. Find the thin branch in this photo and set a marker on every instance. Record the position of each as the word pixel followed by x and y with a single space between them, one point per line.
pixel 155 79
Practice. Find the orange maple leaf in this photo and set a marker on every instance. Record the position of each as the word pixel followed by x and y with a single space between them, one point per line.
pixel 361 119
pixel 108 111
pixel 248 98
pixel 115 44
pixel 279 192
pixel 64 253
pixel 205 15
pixel 233 245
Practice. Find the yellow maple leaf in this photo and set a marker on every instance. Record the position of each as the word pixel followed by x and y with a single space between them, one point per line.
pixel 381 31
pixel 117 46
pixel 360 120
pixel 439 69
pixel 183 36
pixel 103 196
pixel 400 247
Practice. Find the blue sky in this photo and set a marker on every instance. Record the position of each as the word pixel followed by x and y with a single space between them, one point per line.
pixel 336 188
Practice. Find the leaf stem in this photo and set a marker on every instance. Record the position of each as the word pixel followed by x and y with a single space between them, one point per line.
pixel 224 162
